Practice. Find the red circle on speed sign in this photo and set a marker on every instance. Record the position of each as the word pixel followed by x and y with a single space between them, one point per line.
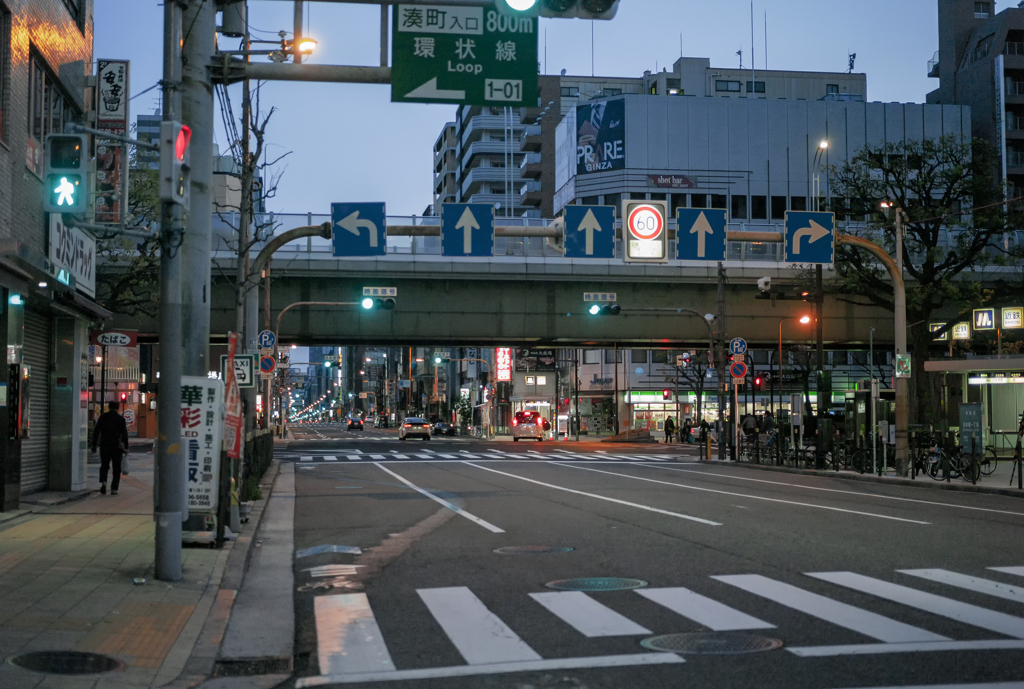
pixel 645 222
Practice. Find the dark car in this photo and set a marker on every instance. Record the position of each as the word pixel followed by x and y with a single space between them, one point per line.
pixel 442 428
pixel 355 423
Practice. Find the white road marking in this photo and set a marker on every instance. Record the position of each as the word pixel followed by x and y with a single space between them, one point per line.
pixel 832 611
pixel 479 635
pixel 986 586
pixel 305 459
pixel 424 455
pixel 553 665
pixel 347 636
pixel 586 615
pixel 458 510
pixel 397 456
pixel 446 456
pixel 1019 571
pixel 702 610
pixel 847 492
pixel 377 457
pixel 937 605
pixel 331 458
pixel 354 458
pixel 744 495
pixel 599 497
pixel 870 649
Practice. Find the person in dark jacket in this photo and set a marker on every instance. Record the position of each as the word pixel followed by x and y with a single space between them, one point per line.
pixel 111 434
pixel 670 428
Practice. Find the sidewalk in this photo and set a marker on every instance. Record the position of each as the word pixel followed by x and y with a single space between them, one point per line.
pixel 66 584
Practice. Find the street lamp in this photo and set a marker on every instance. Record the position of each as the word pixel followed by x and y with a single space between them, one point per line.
pixel 804 320
pixel 816 180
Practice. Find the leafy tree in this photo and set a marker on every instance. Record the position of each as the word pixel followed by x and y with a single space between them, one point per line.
pixel 464 407
pixel 954 225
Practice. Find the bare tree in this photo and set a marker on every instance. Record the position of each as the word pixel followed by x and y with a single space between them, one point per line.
pixel 695 375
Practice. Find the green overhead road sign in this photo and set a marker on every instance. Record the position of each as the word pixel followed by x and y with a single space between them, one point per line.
pixel 463 55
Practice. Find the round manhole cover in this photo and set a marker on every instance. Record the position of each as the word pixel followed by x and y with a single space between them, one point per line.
pixel 532 549
pixel 711 643
pixel 67 662
pixel 596 584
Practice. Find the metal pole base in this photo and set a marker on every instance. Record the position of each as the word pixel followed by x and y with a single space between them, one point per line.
pixel 168 546
pixel 236 519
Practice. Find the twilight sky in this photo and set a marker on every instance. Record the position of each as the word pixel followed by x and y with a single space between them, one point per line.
pixel 350 143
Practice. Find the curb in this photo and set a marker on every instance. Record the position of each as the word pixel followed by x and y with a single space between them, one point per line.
pixel 871 478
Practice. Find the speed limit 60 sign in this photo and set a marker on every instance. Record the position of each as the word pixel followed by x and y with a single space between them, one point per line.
pixel 645 231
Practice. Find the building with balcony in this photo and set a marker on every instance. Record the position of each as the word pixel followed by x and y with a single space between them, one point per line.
pixel 980 63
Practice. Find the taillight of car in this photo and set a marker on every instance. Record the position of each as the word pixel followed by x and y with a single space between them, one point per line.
pixel 407 425
pixel 515 422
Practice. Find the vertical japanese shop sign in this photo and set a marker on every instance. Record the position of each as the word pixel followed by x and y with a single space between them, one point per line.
pixel 202 425
pixel 112 113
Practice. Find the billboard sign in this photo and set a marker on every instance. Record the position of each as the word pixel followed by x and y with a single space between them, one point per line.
pixel 202 425
pixel 74 250
pixel 601 136
pixel 112 112
pixel 504 357
pixel 962 331
pixel 1013 317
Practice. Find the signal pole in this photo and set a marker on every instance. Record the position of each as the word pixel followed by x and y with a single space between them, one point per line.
pixel 169 495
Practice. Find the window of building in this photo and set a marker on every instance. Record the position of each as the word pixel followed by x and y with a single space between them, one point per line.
pixel 758 207
pixel 660 356
pixel 832 88
pixel 570 92
pixel 798 203
pixel 739 208
pixel 48 109
pixel 638 356
pixel 654 88
pixel 778 208
pixel 5 66
pixel 860 357
pixel 728 86
pixel 982 10
pixel 755 87
pixel 589 201
pixel 719 201
pixel 678 201
pixel 758 356
pixel 75 8
pixel 839 357
pixel 611 92
pixel 614 200
pixel 698 200
pixel 611 358
pixel 658 197
pixel 591 356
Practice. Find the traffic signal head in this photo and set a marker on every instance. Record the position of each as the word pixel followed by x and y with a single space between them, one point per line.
pixel 386 304
pixel 565 9
pixel 66 173
pixel 666 394
pixel 174 162
pixel 605 309
pixel 124 396
pixel 441 360
pixel 758 383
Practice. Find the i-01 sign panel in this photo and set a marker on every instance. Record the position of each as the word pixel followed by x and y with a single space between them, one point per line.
pixel 645 231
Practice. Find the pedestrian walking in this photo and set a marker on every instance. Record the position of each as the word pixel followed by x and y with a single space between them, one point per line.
pixel 768 423
pixel 670 427
pixel 687 430
pixel 111 434
pixel 749 425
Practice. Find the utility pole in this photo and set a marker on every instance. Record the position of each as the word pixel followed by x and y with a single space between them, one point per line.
pixel 169 499
pixel 902 396
pixel 197 112
pixel 720 358
pixel 819 303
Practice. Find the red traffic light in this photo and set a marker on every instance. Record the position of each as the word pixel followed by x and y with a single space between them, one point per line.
pixel 666 394
pixel 182 141
pixel 124 396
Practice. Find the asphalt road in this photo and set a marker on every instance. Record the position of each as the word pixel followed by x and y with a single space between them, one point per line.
pixel 820 564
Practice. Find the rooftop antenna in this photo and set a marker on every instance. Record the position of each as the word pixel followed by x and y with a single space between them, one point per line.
pixel 740 53
pixel 853 59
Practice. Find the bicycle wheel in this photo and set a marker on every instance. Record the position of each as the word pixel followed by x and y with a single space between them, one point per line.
pixel 934 462
pixel 861 461
pixel 988 461
pixel 970 470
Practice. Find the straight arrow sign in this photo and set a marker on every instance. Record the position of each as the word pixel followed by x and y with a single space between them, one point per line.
pixel 467 229
pixel 590 232
pixel 701 234
pixel 467 223
pixel 703 228
pixel 589 225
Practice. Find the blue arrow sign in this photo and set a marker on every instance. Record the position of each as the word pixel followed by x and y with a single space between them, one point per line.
pixel 738 346
pixel 467 229
pixel 810 237
pixel 267 338
pixel 359 229
pixel 589 232
pixel 701 234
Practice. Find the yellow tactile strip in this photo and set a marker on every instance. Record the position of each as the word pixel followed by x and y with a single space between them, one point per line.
pixel 139 630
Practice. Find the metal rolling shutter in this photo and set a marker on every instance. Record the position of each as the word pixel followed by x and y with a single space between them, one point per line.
pixel 35 449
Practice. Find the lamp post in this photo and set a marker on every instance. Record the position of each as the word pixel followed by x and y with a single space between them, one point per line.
pixel 804 320
pixel 821 152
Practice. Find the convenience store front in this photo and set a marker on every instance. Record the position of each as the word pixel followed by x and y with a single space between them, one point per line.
pixel 649 409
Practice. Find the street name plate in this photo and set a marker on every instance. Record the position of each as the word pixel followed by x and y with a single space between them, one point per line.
pixel 463 55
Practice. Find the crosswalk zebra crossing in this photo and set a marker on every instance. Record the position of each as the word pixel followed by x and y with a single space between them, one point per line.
pixel 351 646
pixel 343 455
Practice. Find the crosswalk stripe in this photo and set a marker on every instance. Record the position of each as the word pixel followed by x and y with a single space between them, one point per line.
pixel 478 634
pixel 1019 571
pixel 703 610
pixel 867 623
pixel 586 615
pixel 354 458
pixel 937 605
pixel 305 459
pixel 331 458
pixel 424 455
pixel 446 456
pixel 347 636
pixel 397 456
pixel 377 457
pixel 987 586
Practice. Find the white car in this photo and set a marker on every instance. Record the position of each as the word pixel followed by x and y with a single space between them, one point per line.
pixel 528 424
pixel 414 427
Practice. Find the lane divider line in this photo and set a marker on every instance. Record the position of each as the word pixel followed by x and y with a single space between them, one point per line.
pixel 458 510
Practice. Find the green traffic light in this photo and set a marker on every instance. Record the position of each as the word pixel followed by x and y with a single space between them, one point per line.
pixel 595 309
pixel 522 5
pixel 367 303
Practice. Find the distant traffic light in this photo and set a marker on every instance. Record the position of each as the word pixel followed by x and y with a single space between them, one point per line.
pixel 175 168
pixel 442 360
pixel 124 397
pixel 66 169
pixel 605 310
pixel 758 383
pixel 564 9
pixel 385 304
pixel 666 394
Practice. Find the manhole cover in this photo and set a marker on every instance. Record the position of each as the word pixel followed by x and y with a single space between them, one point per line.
pixel 711 643
pixel 596 584
pixel 532 549
pixel 66 662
